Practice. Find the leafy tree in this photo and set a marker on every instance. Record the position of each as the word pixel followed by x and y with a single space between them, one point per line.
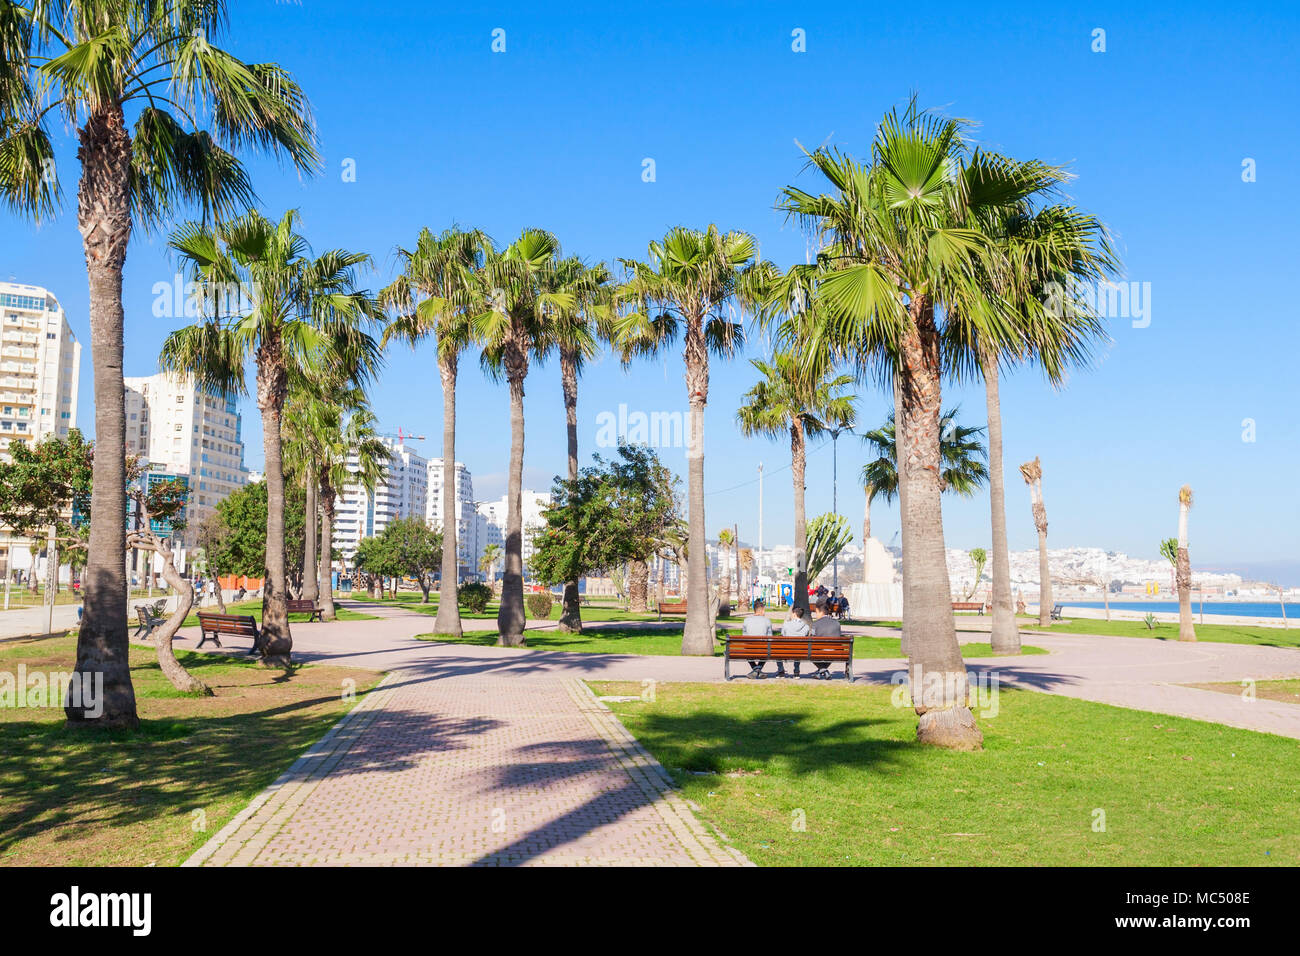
pixel 615 512
pixel 240 548
pixel 414 549
pixel 134 80
pixel 978 558
pixel 491 555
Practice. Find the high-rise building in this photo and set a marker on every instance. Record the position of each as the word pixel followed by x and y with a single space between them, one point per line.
pixel 40 361
pixel 181 429
pixel 468 549
pixel 492 526
pixel 402 492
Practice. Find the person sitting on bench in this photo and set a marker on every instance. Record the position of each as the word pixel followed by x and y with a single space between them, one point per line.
pixel 796 625
pixel 757 624
pixel 823 625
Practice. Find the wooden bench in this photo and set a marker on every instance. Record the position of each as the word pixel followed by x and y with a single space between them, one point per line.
pixel 968 606
pixel 238 625
pixel 776 648
pixel 666 608
pixel 1056 612
pixel 304 607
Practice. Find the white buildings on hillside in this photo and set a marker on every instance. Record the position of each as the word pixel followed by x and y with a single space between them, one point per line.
pixel 40 364
pixel 468 548
pixel 180 429
pixel 402 492
pixel 492 523
pixel 40 361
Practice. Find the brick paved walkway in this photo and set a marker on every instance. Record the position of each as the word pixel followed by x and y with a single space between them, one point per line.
pixel 472 770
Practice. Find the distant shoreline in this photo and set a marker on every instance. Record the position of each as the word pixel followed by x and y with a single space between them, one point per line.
pixel 1257 613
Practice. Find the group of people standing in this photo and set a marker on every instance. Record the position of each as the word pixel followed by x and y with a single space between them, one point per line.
pixel 816 622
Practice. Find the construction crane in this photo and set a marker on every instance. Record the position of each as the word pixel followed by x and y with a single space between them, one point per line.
pixel 401 437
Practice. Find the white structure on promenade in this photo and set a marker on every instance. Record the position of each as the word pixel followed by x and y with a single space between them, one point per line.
pixel 402 492
pixel 492 522
pixel 468 549
pixel 40 364
pixel 181 429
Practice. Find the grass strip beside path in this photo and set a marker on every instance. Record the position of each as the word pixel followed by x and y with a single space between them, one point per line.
pixel 153 796
pixel 1215 633
pixel 816 774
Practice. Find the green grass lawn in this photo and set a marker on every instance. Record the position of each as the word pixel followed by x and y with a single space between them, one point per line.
pixel 593 612
pixel 128 798
pixel 629 640
pixel 1217 633
pixel 255 608
pixel 758 759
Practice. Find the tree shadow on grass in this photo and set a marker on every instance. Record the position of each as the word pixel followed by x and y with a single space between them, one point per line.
pixel 700 742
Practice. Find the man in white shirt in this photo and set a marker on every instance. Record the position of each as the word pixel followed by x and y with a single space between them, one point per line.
pixel 757 624
pixel 795 626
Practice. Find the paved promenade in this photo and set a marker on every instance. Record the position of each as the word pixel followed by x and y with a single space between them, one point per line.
pixel 499 756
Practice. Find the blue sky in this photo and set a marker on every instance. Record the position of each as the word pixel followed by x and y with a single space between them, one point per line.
pixel 553 133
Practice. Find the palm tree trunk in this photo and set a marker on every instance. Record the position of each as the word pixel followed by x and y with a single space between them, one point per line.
pixel 510 618
pixel 1186 630
pixel 798 468
pixel 638 584
pixel 448 618
pixel 741 596
pixel 936 671
pixel 326 583
pixel 104 219
pixel 1006 634
pixel 697 637
pixel 571 612
pixel 276 643
pixel 310 589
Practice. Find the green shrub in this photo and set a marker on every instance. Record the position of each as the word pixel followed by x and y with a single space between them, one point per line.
pixel 539 605
pixel 474 597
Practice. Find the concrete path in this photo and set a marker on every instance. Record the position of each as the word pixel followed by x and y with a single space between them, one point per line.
pixel 499 756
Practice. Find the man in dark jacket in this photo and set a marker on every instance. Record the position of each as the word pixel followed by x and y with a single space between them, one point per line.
pixel 823 625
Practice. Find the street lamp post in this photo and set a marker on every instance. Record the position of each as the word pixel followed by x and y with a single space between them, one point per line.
pixel 835 508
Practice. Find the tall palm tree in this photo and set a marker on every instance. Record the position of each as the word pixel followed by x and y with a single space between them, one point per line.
pixel 689 282
pixel 1186 630
pixel 575 333
pixel 901 242
pixel 1039 258
pixel 1032 472
pixel 308 314
pixel 799 395
pixel 352 453
pixel 726 539
pixel 433 297
pixel 130 78
pixel 517 289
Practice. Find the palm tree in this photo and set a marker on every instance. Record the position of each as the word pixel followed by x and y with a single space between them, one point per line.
pixel 1032 471
pixel 799 395
pixel 491 554
pixel 516 287
pixel 575 333
pixel 352 453
pixel 433 296
pixel 1186 631
pixel 307 314
pixel 689 282
pixel 113 69
pixel 726 539
pixel 1040 257
pixel 901 241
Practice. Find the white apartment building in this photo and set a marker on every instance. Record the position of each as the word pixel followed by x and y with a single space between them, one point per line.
pixel 183 430
pixel 40 361
pixel 468 549
pixel 402 492
pixel 492 523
